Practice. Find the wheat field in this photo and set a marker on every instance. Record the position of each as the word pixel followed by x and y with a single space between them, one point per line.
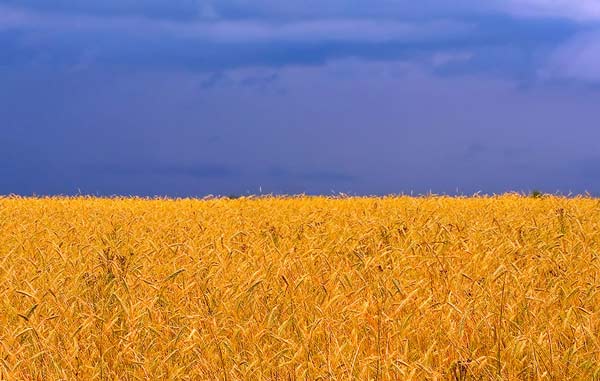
pixel 300 288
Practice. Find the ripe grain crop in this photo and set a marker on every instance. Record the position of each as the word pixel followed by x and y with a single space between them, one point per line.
pixel 302 288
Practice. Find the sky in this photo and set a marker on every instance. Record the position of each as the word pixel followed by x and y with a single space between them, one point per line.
pixel 186 98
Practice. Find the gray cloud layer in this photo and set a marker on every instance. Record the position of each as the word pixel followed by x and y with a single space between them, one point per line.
pixel 79 40
pixel 186 97
pixel 237 9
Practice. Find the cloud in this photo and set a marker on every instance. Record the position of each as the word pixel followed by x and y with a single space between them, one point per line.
pixel 580 10
pixel 383 95
pixel 242 31
pixel 283 11
pixel 78 41
pixel 166 9
pixel 576 60
pixel 446 43
pixel 351 125
pixel 190 10
pixel 442 58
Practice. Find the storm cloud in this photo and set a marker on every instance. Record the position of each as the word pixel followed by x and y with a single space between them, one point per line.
pixel 192 97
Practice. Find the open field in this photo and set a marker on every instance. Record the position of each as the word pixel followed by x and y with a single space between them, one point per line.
pixel 435 288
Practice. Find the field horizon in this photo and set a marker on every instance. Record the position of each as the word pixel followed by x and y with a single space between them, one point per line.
pixel 534 193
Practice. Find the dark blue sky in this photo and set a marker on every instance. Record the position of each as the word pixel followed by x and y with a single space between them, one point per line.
pixel 196 97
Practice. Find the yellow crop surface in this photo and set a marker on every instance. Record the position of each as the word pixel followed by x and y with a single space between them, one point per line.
pixel 302 288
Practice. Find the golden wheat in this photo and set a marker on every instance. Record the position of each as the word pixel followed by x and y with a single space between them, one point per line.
pixel 306 288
